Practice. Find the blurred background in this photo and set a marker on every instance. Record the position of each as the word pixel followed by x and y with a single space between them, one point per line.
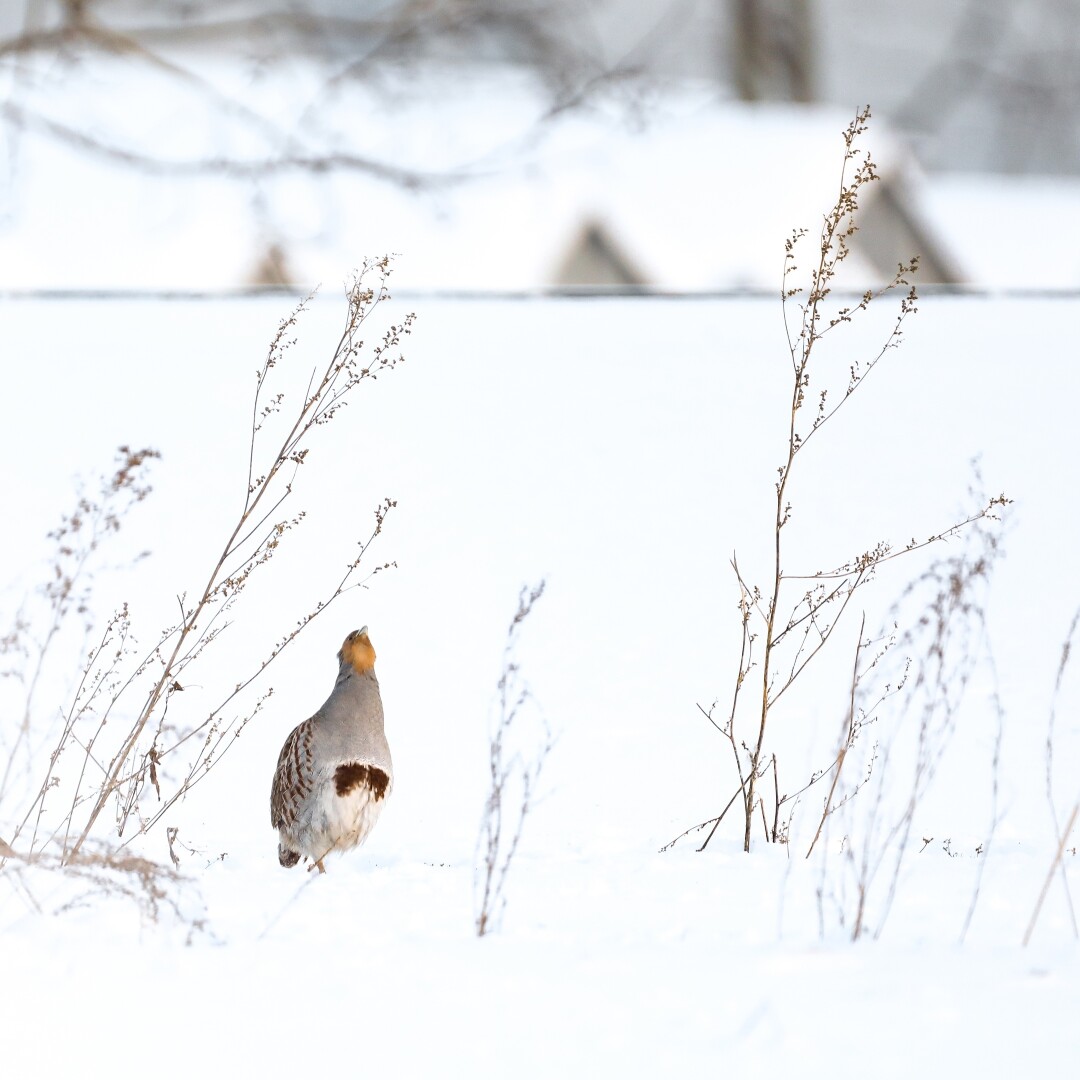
pixel 522 145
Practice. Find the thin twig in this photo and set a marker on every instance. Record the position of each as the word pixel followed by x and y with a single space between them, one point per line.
pixel 1051 872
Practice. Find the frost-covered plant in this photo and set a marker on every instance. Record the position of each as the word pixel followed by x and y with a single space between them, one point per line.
pixel 121 733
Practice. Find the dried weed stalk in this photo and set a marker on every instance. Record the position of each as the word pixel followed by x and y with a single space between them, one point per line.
pixel 63 600
pixel 787 624
pixel 125 723
pixel 1061 835
pixel 514 778
pixel 946 642
pixel 158 892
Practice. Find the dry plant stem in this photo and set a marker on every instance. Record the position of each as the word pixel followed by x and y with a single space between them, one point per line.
pixel 203 761
pixel 154 889
pixel 501 830
pixel 77 539
pixel 748 602
pixel 248 545
pixel 838 226
pixel 776 801
pixel 24 727
pixel 885 552
pixel 794 637
pixel 714 822
pixel 845 741
pixel 770 622
pixel 1063 664
pixel 995 773
pixel 115 670
pixel 1050 874
pixel 945 643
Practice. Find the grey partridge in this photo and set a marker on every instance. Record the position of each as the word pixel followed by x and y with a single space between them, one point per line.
pixel 334 772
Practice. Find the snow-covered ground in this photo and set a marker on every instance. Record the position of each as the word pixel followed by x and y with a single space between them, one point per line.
pixel 621 450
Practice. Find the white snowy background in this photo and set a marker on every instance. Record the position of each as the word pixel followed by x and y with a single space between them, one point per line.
pixel 620 449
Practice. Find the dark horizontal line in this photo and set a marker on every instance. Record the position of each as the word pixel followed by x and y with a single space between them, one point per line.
pixel 582 292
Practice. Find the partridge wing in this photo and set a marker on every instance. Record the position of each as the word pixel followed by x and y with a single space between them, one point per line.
pixel 294 776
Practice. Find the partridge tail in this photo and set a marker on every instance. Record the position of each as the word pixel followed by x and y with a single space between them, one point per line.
pixel 287 857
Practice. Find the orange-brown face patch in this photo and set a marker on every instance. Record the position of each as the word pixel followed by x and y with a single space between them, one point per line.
pixel 349 777
pixel 359 652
